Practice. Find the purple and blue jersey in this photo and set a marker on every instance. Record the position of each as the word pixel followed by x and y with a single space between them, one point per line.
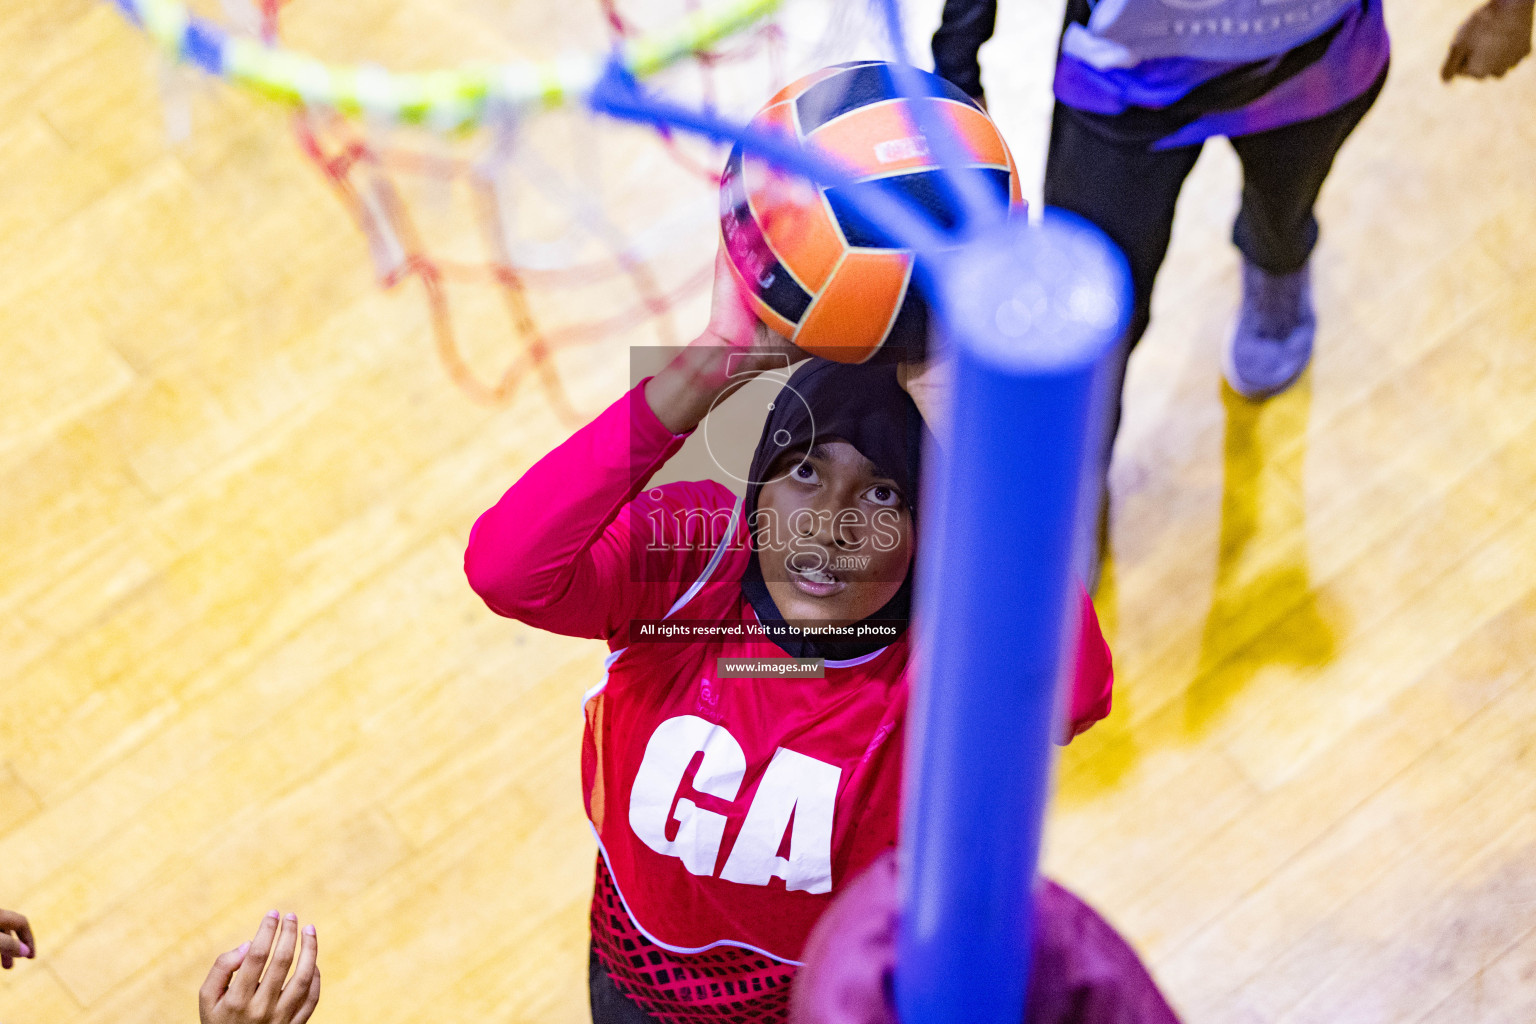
pixel 1169 73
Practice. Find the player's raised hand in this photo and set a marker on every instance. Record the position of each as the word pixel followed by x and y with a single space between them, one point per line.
pixel 1493 39
pixel 16 940
pixel 237 991
pixel 735 347
pixel 732 321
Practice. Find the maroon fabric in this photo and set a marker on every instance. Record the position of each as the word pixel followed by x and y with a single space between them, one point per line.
pixel 1082 972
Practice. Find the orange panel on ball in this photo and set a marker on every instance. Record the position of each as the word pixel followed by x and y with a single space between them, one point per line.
pixel 884 137
pixel 849 320
pixel 795 222
pixel 793 219
pixel 779 117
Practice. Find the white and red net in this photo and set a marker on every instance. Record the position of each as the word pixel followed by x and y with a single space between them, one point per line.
pixel 535 237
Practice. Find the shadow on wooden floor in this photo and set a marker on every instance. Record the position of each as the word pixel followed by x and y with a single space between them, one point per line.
pixel 1268 616
pixel 1265 612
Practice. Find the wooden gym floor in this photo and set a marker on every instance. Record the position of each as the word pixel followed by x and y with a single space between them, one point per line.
pixel 240 667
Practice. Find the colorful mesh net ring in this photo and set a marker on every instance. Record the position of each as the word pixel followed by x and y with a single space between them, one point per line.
pixel 344 120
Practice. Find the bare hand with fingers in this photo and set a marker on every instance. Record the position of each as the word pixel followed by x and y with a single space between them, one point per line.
pixel 16 940
pixel 238 992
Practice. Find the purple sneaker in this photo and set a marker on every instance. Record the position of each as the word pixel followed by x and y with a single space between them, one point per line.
pixel 1273 341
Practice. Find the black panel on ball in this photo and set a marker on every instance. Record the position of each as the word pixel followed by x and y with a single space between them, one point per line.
pixel 917 190
pixel 838 94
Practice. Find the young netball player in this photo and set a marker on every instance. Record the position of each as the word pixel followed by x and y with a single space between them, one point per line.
pixel 729 810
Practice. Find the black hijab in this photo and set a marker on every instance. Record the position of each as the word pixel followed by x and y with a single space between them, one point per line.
pixel 865 406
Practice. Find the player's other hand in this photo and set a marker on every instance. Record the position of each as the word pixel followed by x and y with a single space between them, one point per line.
pixel 1495 38
pixel 16 940
pixel 931 384
pixel 237 992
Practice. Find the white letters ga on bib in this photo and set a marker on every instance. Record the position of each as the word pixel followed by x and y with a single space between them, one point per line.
pixel 797 794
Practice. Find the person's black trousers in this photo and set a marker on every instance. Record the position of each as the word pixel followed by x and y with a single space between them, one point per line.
pixel 1129 190
pixel 609 1005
